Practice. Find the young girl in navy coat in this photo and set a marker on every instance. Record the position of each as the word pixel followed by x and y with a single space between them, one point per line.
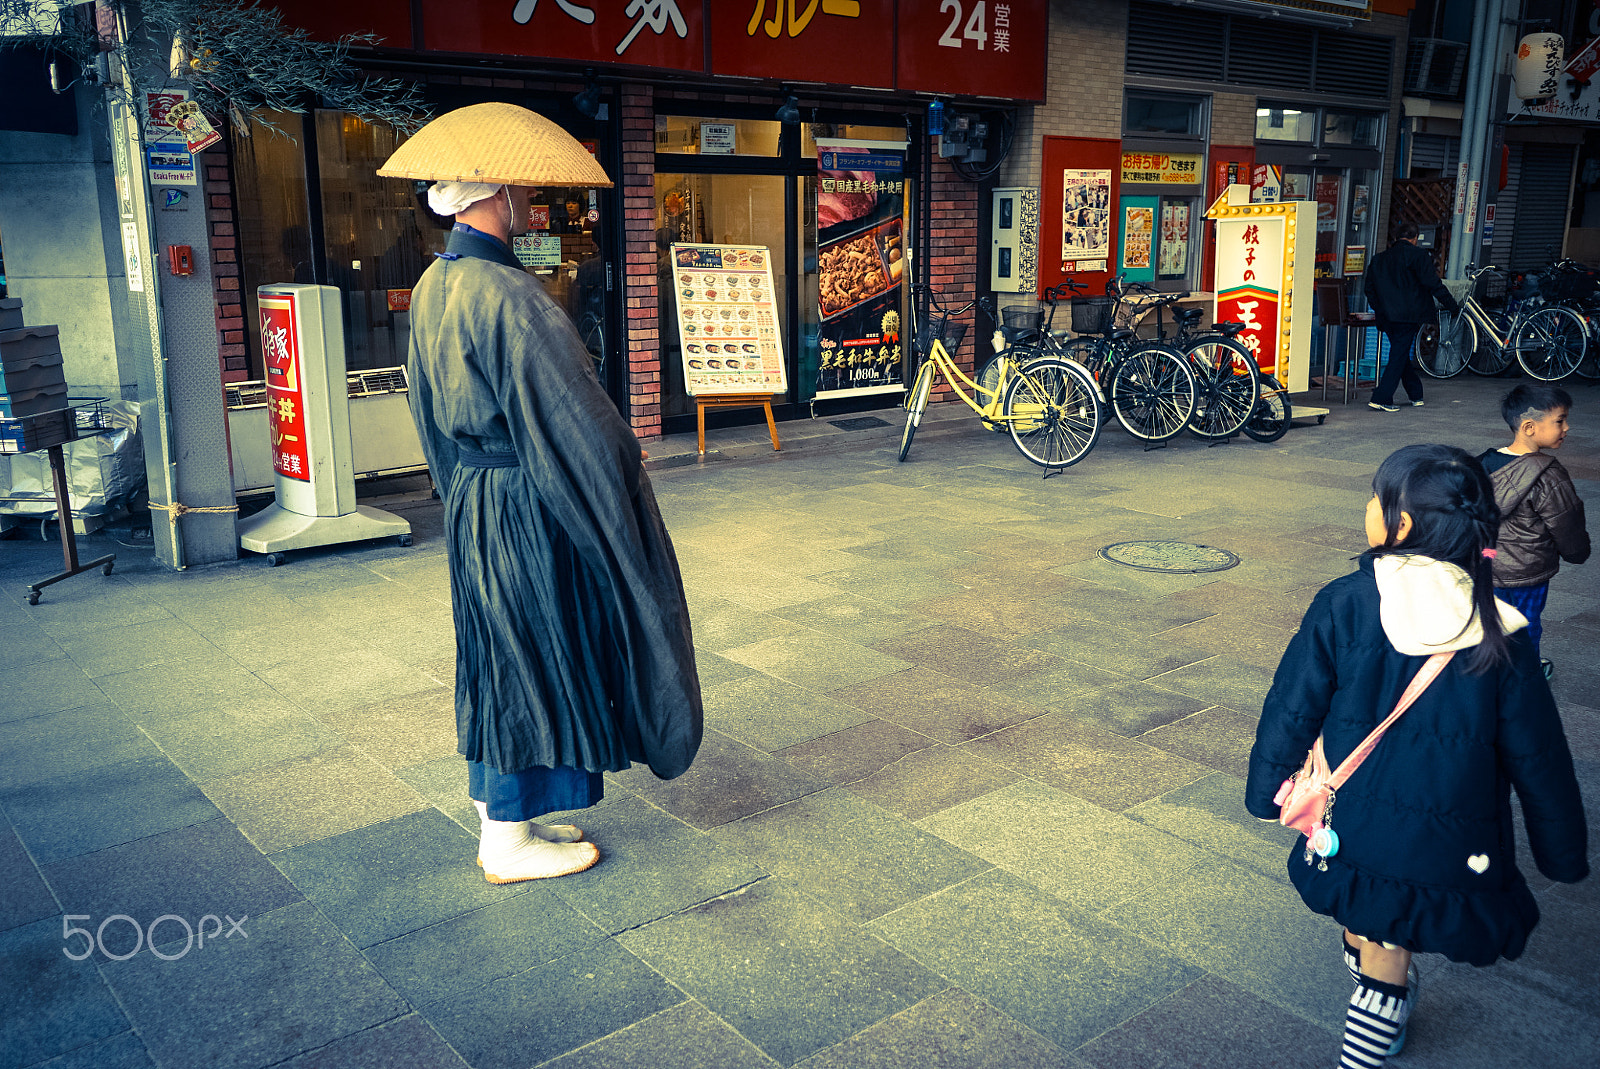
pixel 1426 860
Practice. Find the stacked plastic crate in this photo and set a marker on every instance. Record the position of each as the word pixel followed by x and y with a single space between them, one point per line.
pixel 33 385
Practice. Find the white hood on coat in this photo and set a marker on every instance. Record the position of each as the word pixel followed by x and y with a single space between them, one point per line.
pixel 1426 605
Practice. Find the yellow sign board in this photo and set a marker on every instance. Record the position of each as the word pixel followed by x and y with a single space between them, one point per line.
pixel 1162 168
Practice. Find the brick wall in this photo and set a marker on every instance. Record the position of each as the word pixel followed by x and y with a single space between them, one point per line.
pixel 950 263
pixel 1233 118
pixel 1083 83
pixel 640 299
pixel 223 227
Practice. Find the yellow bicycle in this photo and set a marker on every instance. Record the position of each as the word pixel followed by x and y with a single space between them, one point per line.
pixel 1051 407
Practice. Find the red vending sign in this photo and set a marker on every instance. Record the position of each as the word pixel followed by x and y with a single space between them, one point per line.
pixel 286 418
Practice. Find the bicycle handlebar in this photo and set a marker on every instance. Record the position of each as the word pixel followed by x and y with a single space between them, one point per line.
pixel 1064 289
pixel 927 290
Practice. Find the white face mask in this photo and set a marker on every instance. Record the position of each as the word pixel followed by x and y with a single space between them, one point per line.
pixel 521 220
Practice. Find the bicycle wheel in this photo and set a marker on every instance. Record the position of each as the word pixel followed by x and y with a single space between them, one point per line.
pixel 1090 353
pixel 916 405
pixel 1486 356
pixel 1053 412
pixel 1270 420
pixel 1446 356
pixel 1550 343
pixel 1226 375
pixel 989 378
pixel 1589 366
pixel 1153 392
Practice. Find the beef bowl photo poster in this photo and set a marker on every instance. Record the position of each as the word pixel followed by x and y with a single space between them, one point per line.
pixel 860 268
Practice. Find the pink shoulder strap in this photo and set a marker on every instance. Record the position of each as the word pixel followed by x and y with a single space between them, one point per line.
pixel 1419 683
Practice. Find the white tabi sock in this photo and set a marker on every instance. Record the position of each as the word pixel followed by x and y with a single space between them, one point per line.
pixel 510 853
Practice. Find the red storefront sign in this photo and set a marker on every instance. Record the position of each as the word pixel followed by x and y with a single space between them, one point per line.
pixel 286 420
pixel 850 42
pixel 949 47
pixel 328 22
pixel 972 47
pixel 649 33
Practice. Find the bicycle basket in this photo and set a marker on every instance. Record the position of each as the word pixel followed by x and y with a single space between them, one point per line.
pixel 1092 315
pixel 1568 285
pixel 1022 318
pixel 1491 287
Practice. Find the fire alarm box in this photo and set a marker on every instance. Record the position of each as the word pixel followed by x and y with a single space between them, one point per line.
pixel 180 259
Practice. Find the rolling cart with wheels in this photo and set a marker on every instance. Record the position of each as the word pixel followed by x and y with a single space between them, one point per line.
pixel 49 431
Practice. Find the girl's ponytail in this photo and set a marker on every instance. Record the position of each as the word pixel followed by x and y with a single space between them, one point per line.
pixel 1453 514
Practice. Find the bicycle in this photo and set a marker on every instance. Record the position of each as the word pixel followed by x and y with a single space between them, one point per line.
pixel 1549 342
pixel 1151 385
pixel 1226 373
pixel 1573 285
pixel 1050 407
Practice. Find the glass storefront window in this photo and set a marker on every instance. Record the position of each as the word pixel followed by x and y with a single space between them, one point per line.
pixel 1285 124
pixel 809 132
pixel 377 246
pixel 1350 128
pixel 274 236
pixel 1172 116
pixel 692 135
pixel 712 209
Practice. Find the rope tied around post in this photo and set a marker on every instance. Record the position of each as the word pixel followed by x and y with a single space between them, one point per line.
pixel 177 509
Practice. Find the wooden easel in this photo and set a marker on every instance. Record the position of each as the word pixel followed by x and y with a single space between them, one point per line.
pixel 743 400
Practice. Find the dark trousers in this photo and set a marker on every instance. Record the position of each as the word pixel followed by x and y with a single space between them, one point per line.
pixel 1399 370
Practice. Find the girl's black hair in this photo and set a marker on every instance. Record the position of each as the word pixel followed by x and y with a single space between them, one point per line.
pixel 1454 518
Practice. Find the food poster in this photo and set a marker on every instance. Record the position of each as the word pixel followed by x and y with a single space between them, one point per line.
pixel 1085 220
pixel 1174 261
pixel 728 319
pixel 860 269
pixel 1137 227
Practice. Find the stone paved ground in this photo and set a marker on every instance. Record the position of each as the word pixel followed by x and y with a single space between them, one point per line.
pixel 969 795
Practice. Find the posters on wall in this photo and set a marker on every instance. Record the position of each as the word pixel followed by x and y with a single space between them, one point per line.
pixel 728 319
pixel 860 267
pixel 1085 220
pixel 1137 228
pixel 1174 239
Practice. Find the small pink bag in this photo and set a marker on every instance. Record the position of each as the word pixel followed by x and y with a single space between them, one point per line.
pixel 1306 798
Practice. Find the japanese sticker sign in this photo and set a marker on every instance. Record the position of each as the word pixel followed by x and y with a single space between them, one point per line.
pixel 167 151
pixel 1162 167
pixel 860 268
pixel 1085 220
pixel 1250 281
pixel 1137 227
pixel 728 319
pixel 286 423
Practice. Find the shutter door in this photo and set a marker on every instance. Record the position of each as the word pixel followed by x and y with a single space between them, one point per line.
pixel 1541 221
pixel 1505 214
pixel 1430 152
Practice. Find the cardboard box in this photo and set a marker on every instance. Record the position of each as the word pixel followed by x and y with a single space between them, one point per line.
pixel 33 402
pixel 30 433
pixel 28 343
pixel 40 373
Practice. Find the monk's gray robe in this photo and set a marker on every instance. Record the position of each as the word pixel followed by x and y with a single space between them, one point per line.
pixel 572 633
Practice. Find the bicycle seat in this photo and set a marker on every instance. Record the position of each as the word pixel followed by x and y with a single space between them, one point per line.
pixel 1190 317
pixel 1230 329
pixel 1012 335
pixel 1120 334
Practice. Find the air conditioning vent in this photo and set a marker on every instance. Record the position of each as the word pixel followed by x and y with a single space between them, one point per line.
pixel 1434 67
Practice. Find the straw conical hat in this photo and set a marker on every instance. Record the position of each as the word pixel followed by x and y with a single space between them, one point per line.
pixel 495 143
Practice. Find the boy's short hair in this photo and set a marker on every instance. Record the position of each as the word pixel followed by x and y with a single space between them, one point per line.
pixel 1533 402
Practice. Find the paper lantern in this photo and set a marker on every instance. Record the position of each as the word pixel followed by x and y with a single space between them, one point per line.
pixel 1537 72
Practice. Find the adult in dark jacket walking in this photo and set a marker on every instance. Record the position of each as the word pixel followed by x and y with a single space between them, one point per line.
pixel 1402 287
pixel 573 651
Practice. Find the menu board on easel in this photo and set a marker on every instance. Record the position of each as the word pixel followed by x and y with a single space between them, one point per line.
pixel 728 319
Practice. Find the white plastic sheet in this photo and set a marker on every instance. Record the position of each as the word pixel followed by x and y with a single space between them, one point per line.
pixel 105 470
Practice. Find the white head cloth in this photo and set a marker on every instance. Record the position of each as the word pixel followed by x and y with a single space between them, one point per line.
pixel 448 198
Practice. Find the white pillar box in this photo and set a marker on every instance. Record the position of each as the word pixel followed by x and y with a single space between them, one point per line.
pixel 308 421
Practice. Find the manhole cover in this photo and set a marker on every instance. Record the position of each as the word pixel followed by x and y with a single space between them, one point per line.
pixel 859 423
pixel 1183 557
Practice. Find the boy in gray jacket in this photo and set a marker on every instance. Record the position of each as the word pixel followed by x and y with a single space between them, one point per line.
pixel 1541 515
